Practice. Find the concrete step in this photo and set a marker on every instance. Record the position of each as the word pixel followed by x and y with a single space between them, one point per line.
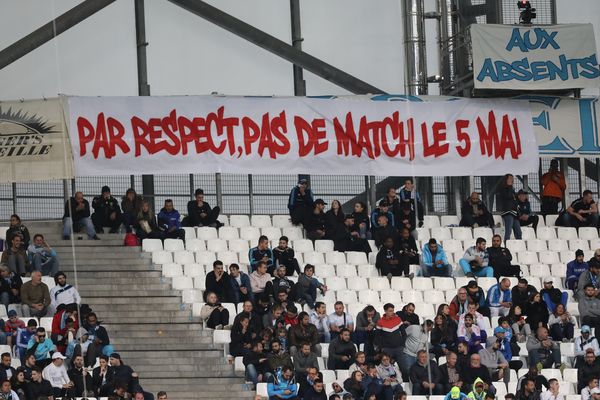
pixel 158 355
pixel 164 342
pixel 112 326
pixel 107 266
pixel 149 347
pixel 151 333
pixel 142 307
pixel 129 293
pixel 138 281
pixel 150 316
pixel 123 287
pixel 108 275
pixel 117 302
pixel 210 384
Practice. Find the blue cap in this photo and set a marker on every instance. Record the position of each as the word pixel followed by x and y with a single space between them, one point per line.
pixel 499 329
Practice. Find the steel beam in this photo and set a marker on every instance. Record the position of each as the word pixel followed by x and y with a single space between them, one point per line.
pixel 277 47
pixel 299 82
pixel 48 31
pixel 140 36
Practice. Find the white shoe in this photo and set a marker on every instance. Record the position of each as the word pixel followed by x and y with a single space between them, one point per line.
pixel 219 327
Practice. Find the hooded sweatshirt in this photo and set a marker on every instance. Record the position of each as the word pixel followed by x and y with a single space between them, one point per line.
pixel 277 385
pixel 474 395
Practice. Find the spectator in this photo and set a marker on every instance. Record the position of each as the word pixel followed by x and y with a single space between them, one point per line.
pixel 551 295
pixel 390 373
pixel 389 335
pixel 316 391
pixel 214 315
pixel 303 361
pixel 218 282
pixel 35 297
pixel 375 386
pixel 417 337
pixel 382 209
pixel 256 364
pixel 527 391
pixel 40 345
pixel 6 371
pixel 63 293
pixel 255 321
pixel 291 316
pixel 459 304
pixel 334 219
pixel 524 213
pixel 23 336
pixel 365 328
pixel 42 256
pixel 200 213
pixel 240 288
pixel 476 295
pixel 463 356
pixel 307 286
pixel 303 332
pixel 434 261
pixel 562 324
pixel 15 257
pixel 354 385
pixel 394 201
pixel 493 359
pixel 98 335
pixel 282 385
pixel 11 328
pixel 384 231
pixel 319 318
pixel 407 314
pixel 585 342
pixel 451 373
pixel 443 337
pixel 274 319
pixel 341 351
pixel 146 226
pixel 581 212
pixel 168 221
pixel 408 194
pixel 131 205
pixel 540 381
pixel 536 312
pixel 553 189
pixel 389 261
pixel 17 228
pixel 475 371
pixel 123 375
pixel 407 218
pixel 260 281
pixel 475 260
pixel 77 216
pixel 360 363
pixel 361 219
pixel 521 293
pixel 278 358
pixel 284 256
pixel 315 221
pixel 19 384
pixel 102 372
pixel 591 277
pixel 590 368
pixel 455 394
pixel 586 392
pixel 10 287
pixel 574 270
pixel 499 298
pixel 543 350
pixel 471 334
pixel 38 387
pixel 262 252
pixel 349 239
pixel 106 212
pixel 553 391
pixel 78 375
pixel 475 213
pixel 241 337
pixel 519 325
pixel 339 320
pixel 500 260
pixel 506 203
pixel 408 246
pixel 300 203
pixel 420 373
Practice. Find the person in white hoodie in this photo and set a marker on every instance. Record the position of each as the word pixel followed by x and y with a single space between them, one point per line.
pixel 56 374
pixel 63 293
pixel 476 259
pixel 6 391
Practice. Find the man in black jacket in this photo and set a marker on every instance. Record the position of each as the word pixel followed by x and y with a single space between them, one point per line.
pixel 520 294
pixel 107 212
pixel 389 260
pixel 451 373
pixel 349 239
pixel 475 213
pixel 77 216
pixel 383 231
pixel 217 281
pixel 77 375
pixel 6 371
pixel 419 376
pixel 342 351
pixel 200 213
pixel 314 223
pixel 476 370
pixel 500 259
pixel 284 255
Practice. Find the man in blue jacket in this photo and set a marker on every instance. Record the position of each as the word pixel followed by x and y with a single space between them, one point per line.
pixel 169 221
pixel 574 269
pixel 262 252
pixel 241 290
pixel 434 261
pixel 282 385
pixel 500 298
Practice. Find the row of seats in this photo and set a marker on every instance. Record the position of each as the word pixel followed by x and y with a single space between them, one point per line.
pixel 433 221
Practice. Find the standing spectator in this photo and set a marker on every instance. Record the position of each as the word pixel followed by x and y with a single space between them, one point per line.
pixel 314 223
pixel 365 328
pixel 553 189
pixel 76 216
pixel 500 259
pixel 213 313
pixel 17 228
pixel 218 282
pixel 475 213
pixel 521 293
pixel 63 293
pixel 581 212
pixel 341 351
pixel 263 253
pixel 361 219
pixel 131 205
pixel 551 295
pixel 15 256
pixel 408 194
pixel 35 296
pixel 562 324
pixel 543 350
pixel 200 213
pixel 508 207
pixel 574 270
pixel 10 286
pixel 475 260
pixel 499 298
pixel 334 219
pixel 319 318
pixel 168 220
pixel 417 337
pixel 146 226
pixel 42 256
pixel 389 335
pixel 382 209
pixel 525 215
pixel 303 332
pixel 40 345
pixel 285 256
pixel 300 203
pixel 260 281
pixel 240 288
pixel 306 288
pixel 536 312
pixel 589 308
pixel 434 261
pixel 339 320
pixel 106 212
pixel 38 387
pixel 425 376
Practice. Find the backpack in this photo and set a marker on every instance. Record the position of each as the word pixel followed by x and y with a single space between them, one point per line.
pixel 131 240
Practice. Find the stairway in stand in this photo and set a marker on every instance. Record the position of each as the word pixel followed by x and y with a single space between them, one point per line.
pixel 148 324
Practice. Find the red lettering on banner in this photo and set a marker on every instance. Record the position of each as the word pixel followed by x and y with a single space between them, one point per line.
pixel 280 143
pixel 107 135
pixel 346 138
pixel 251 134
pixel 311 137
pixel 491 144
pixel 395 127
pixel 85 130
pixel 436 148
pixel 463 136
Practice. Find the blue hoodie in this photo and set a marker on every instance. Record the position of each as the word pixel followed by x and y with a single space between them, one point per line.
pixel 496 296
pixel 439 255
pixel 170 219
pixel 276 386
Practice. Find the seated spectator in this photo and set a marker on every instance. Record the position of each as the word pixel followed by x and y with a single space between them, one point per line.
pixel 362 223
pixel 260 281
pixel 256 364
pixel 15 257
pixel 241 337
pixel 365 328
pixel 106 212
pixel 407 314
pixel 475 260
pixel 585 342
pixel 524 213
pixel 10 287
pixel 459 305
pixel 339 320
pixel 586 392
pixel 218 282
pixel 303 332
pixel 316 391
pixel 389 335
pixel 300 203
pixel 475 213
pixel 434 261
pixel 389 261
pixel 493 359
pixel 561 324
pixel 22 340
pixel 519 325
pixel 64 326
pixel 478 392
pixel 168 222
pixel 417 337
pixel 536 311
pixel 40 345
pixel 78 375
pixel 291 316
pixel 471 334
pixel 574 270
pixel 499 298
pixel 476 295
pixel 307 285
pixel 200 213
pixel 42 257
pixel 407 245
pixel 349 239
pixel 77 216
pixel 383 209
pixel 11 327
pixel 17 228
pixel 375 386
pixel 455 394
pixel 278 358
pixel 131 205
pixel 451 373
pixel 38 387
pixel 35 297
pixel 98 335
pixel 407 218
pixel 540 381
pixel 425 376
pixel 262 252
pixel 284 256
pixel 334 219
pixel 543 350
pixel 581 212
pixel 255 320
pixel 463 356
pixel 315 221
pixel 553 391
pixel 553 296
pixel 282 385
pixel 443 337
pixel 591 277
pixel 506 204
pixel 587 370
pixel 18 384
pixel 521 293
pixel 341 351
pixel 63 293
pixel 500 260
pixel 303 361
pixel 408 194
pixel 383 231
pixel 240 288
pixel 146 226
pixel 274 319
pixel 354 385
pixel 122 376
pixel 319 318
pixel 474 372
pixel 527 391
pixel 214 315
pixel 360 363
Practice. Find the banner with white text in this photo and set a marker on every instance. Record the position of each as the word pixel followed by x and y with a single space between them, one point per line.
pixel 521 57
pixel 256 135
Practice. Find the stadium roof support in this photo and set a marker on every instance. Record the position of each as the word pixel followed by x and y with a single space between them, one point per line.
pixel 51 29
pixel 277 47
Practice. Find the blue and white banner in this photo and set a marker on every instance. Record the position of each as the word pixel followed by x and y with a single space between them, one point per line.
pixel 548 57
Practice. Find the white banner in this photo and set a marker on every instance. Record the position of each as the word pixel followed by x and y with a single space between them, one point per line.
pixel 33 142
pixel 534 57
pixel 199 134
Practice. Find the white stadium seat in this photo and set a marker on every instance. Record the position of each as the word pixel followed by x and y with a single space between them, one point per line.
pixel 431 221
pixel 228 257
pixel 423 284
pixel 588 233
pixel 379 283
pixel 193 270
pixel 412 296
pixel 250 233
pixel 486 283
pixel 559 244
pixel 346 296
pixel 292 232
pixel 324 270
pixel 151 245
pixel 368 296
pixel 261 221
pixel 527 232
pixel 282 221
pixel 182 282
pixel 515 246
pixel 390 296
pixel 273 233
pixel 174 244
pixel 528 257
pixel 546 233
pixel 205 257
pixel 441 283
pixel 239 221
pixel 548 257
pixel 462 233
pixel 314 258
pixel 302 246
pixel 449 220
pixel 441 234
pixel 576 244
pixel 367 271
pixel 195 244
pixel 171 270
pixel 228 233
pixel 452 246
pixel 162 257
pixel 550 219
pixel 537 245
pixel 238 245
pixel 216 245
pixel 539 270
pixel 401 283
pixel 206 233
pixel 335 283
pixel 323 246
pixel 190 232
pixel 346 270
pixel 567 233
pixel 358 284
pixel 184 257
pixel 356 257
pixel 335 257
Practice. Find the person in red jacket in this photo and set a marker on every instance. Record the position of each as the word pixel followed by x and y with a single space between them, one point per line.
pixel 459 304
pixel 64 324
